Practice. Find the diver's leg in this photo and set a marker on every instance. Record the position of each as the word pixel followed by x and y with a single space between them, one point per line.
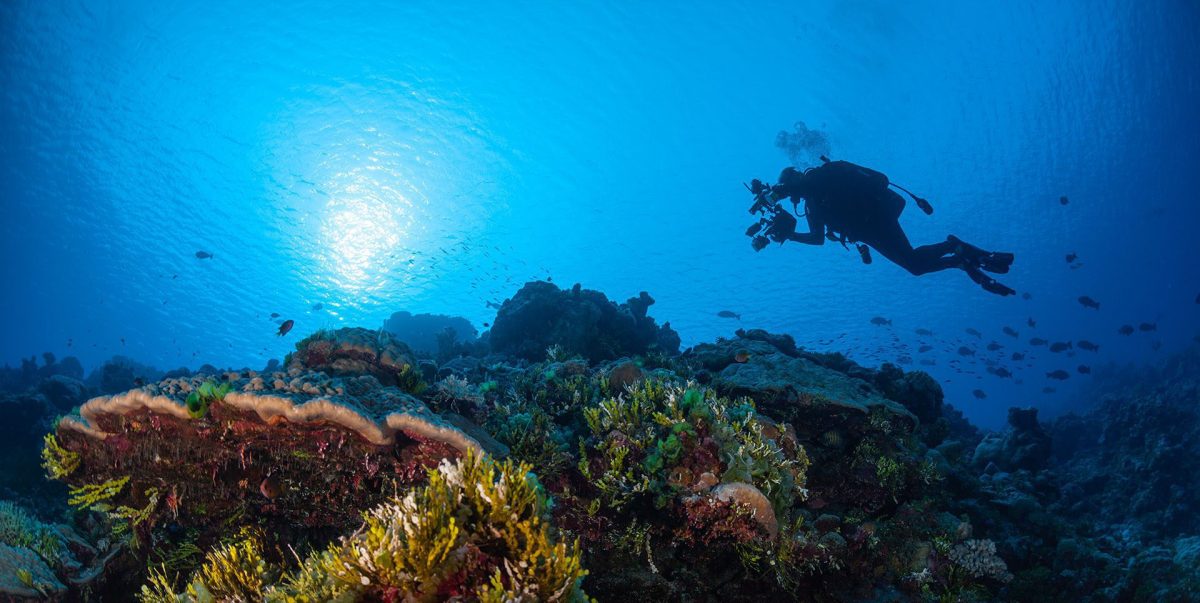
pixel 891 242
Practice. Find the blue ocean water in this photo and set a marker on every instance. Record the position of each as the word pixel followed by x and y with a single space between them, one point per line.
pixel 345 161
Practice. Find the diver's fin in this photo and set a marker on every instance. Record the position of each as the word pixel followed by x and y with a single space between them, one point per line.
pixel 997 261
pixel 988 283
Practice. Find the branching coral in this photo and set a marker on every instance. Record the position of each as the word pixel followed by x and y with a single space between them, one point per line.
pixel 56 460
pixel 978 557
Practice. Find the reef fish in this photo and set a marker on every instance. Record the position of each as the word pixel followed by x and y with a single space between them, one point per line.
pixel 924 332
pixel 1038 341
pixel 270 488
pixel 1027 296
pixel 1084 369
pixel 1126 330
pixel 1087 345
pixel 1063 200
pixel 975 333
pixel 1060 346
pixel 881 321
pixel 274 315
pixel 1031 322
pixel 993 346
pixel 1146 327
pixel 1000 371
pixel 980 394
pixel 965 351
pixel 285 327
pixel 741 357
pixel 317 307
pixel 203 255
pixel 729 314
pixel 1071 257
pixel 1088 302
pixel 924 348
pixel 1017 356
pixel 1011 332
pixel 1060 374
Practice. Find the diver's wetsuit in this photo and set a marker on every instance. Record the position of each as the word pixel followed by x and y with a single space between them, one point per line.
pixel 856 204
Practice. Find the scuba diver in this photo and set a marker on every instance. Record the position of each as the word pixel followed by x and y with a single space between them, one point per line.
pixel 848 203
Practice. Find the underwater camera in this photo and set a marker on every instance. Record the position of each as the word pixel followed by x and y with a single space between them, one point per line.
pixel 768 225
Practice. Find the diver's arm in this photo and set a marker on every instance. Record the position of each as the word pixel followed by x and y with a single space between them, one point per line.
pixel 815 234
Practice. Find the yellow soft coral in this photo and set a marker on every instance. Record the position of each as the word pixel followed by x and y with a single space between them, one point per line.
pixel 56 460
pixel 89 495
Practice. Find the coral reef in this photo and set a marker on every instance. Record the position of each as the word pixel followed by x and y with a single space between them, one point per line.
pixel 439 335
pixel 742 469
pixel 581 321
pixel 358 351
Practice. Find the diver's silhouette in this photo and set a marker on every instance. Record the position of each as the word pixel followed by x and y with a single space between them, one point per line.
pixel 849 203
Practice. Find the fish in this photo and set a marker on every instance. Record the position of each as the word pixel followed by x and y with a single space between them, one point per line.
pixel 317 307
pixel 741 357
pixel 975 333
pixel 1126 330
pixel 1017 356
pixel 1060 346
pixel 203 255
pixel 965 351
pixel 270 488
pixel 1047 390
pixel 928 362
pixel 924 332
pixel 274 315
pixel 993 346
pixel 492 305
pixel 1063 200
pixel 1038 341
pixel 1146 327
pixel 924 348
pixel 1031 322
pixel 1089 302
pixel 286 326
pixel 1002 372
pixel 1071 257
pixel 980 394
pixel 1027 296
pixel 1060 374
pixel 1010 332
pixel 728 314
pixel 881 321
pixel 1089 346
pixel 1084 369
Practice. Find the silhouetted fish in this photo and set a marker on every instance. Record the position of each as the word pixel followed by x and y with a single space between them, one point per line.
pixel 1047 390
pixel 1146 327
pixel 1126 330
pixel 974 333
pixel 1031 322
pixel 1010 332
pixel 1038 341
pixel 285 327
pixel 1060 346
pixel 1017 356
pixel 924 332
pixel 491 304
pixel 924 348
pixel 271 488
pixel 1026 296
pixel 1060 374
pixel 728 314
pixel 932 362
pixel 1087 345
pixel 274 315
pixel 1063 200
pixel 1002 372
pixel 1084 369
pixel 203 255
pixel 980 394
pixel 317 307
pixel 1071 257
pixel 965 351
pixel 881 321
pixel 993 346
pixel 1089 302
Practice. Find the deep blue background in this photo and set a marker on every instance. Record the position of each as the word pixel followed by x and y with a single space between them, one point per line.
pixel 375 157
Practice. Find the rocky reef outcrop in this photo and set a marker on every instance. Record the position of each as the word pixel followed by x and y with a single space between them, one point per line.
pixel 580 321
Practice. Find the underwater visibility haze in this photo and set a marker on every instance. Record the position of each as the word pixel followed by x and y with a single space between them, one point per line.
pixel 215 212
